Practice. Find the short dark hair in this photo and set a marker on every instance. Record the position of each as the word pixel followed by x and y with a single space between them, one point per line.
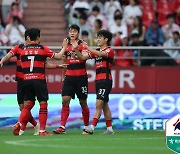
pixel 96 8
pixel 74 26
pixel 84 32
pixel 99 22
pixel 170 16
pixel 83 16
pixel 118 17
pixel 16 18
pixel 26 34
pixel 135 35
pixel 105 34
pixel 33 33
pixel 176 33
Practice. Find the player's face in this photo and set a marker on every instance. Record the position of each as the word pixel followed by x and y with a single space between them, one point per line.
pixel 101 41
pixel 73 34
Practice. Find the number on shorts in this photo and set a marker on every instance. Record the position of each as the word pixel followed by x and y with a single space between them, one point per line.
pixel 102 92
pixel 84 90
pixel 32 62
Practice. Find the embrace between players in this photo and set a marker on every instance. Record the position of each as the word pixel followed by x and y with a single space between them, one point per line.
pixel 31 83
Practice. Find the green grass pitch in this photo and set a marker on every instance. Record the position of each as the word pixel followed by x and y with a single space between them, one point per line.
pixel 73 142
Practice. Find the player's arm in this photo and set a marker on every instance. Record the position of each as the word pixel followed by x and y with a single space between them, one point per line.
pixel 63 69
pixel 61 53
pixel 79 55
pixel 53 66
pixel 6 58
pixel 94 51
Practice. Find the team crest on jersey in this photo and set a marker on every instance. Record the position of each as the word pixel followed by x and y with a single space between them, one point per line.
pixel 107 50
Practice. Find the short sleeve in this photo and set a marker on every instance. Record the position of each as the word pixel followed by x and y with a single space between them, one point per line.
pixel 91 55
pixel 109 52
pixel 14 50
pixel 49 53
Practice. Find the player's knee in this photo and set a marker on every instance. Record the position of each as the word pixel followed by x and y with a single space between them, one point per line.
pixel 65 101
pixel 21 106
pixel 83 103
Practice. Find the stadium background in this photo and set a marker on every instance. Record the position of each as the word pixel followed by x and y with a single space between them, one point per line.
pixel 142 98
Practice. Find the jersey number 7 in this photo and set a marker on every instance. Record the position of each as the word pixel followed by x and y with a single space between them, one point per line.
pixel 32 62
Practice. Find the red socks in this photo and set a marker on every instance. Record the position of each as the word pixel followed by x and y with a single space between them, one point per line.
pixel 25 112
pixel 43 115
pixel 108 123
pixel 95 121
pixel 32 120
pixel 85 114
pixel 64 115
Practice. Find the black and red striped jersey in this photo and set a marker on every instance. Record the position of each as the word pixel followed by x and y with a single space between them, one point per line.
pixel 103 64
pixel 33 57
pixel 76 67
pixel 16 50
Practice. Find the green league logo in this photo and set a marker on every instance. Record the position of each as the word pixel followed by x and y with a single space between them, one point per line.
pixel 173 133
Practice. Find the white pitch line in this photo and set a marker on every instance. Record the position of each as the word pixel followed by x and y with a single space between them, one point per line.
pixel 28 143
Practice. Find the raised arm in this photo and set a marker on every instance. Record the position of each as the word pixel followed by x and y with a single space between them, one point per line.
pixel 61 53
pixel 6 58
pixel 53 66
pixel 79 55
pixel 94 51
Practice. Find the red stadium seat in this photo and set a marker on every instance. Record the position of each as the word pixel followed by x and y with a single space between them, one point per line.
pixel 163 6
pixel 162 18
pixel 174 5
pixel 147 5
pixel 147 17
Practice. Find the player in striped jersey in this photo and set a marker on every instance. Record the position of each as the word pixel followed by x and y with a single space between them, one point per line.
pixel 104 59
pixel 39 62
pixel 15 51
pixel 75 82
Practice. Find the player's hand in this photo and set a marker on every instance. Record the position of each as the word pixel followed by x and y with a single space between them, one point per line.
pixel 65 43
pixel 85 45
pixel 63 65
pixel 74 44
pixel 74 55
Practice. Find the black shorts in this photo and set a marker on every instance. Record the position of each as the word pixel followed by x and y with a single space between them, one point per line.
pixel 20 91
pixel 75 85
pixel 103 88
pixel 36 88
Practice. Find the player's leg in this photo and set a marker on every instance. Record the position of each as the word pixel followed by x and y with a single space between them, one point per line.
pixel 85 115
pixel 23 116
pixel 26 109
pixel 20 99
pixel 82 92
pixel 64 115
pixel 108 118
pixel 106 109
pixel 68 92
pixel 97 114
pixel 42 96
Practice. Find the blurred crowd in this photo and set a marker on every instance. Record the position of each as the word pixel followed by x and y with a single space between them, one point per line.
pixel 132 23
pixel 11 26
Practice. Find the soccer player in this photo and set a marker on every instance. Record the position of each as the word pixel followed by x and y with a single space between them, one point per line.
pixel 104 60
pixel 15 51
pixel 33 58
pixel 75 82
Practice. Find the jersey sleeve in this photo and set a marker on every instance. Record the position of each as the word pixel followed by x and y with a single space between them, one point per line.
pixel 49 53
pixel 82 49
pixel 91 55
pixel 109 52
pixel 14 50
